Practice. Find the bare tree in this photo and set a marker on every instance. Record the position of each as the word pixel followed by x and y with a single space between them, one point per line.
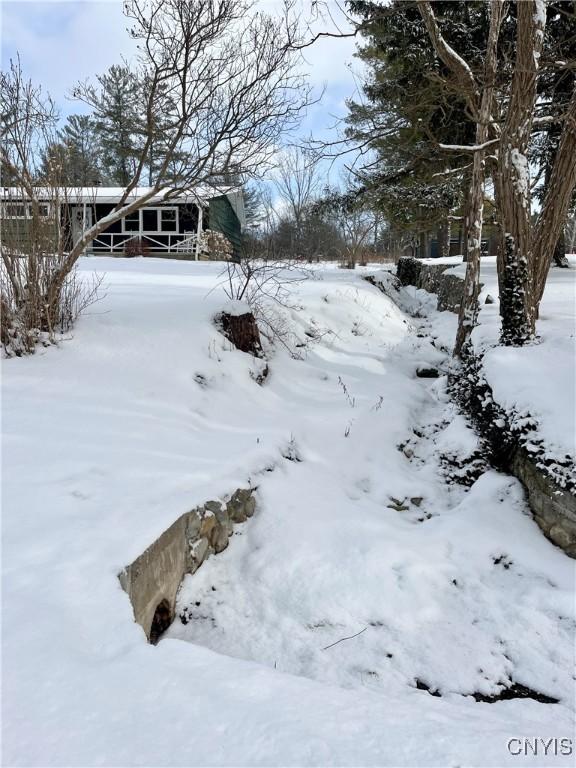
pixel 32 247
pixel 556 205
pixel 357 226
pixel 480 104
pixel 222 74
pixel 512 180
pixel 297 182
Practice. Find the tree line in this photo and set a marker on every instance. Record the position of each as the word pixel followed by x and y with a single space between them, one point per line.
pixel 297 215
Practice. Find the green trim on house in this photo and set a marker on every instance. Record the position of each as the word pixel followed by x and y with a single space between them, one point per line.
pixel 223 218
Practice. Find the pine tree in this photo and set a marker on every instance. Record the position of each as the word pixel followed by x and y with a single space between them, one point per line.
pixel 54 165
pixel 81 151
pixel 117 121
pixel 408 111
pixel 560 45
pixel 162 118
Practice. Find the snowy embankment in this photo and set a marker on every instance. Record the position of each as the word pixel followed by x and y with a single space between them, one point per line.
pixel 147 412
pixel 539 379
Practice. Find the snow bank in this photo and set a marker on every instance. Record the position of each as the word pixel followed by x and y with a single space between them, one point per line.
pixel 236 308
pixel 146 412
pixel 538 379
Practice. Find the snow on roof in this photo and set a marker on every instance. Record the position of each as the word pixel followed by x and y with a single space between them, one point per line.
pixel 202 194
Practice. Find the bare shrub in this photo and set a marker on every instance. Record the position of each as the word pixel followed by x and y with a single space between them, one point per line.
pixel 30 312
pixel 136 246
pixel 77 295
pixel 40 296
pixel 265 286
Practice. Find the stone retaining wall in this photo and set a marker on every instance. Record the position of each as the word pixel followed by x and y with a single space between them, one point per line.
pixel 553 504
pixel 554 508
pixel 153 579
pixel 432 278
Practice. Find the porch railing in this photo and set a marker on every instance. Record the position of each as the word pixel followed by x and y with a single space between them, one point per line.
pixel 177 243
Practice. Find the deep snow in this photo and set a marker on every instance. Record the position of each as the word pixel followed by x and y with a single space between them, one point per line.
pixel 539 378
pixel 145 412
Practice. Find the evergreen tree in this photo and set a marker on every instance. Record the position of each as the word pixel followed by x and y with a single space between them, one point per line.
pixel 116 105
pixel 54 166
pixel 163 118
pixel 556 87
pixel 81 150
pixel 408 111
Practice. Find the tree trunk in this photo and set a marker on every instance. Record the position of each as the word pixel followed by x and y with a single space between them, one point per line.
pixel 423 245
pixel 468 314
pixel 517 301
pixel 461 241
pixel 465 217
pixel 242 331
pixel 559 256
pixel 443 237
pixel 556 202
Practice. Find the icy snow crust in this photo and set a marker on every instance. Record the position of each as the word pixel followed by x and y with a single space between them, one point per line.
pixel 146 412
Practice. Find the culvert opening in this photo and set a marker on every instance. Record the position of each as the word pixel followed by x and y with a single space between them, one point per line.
pixel 154 578
pixel 161 621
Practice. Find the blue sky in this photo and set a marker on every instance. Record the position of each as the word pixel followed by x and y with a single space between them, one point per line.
pixel 63 42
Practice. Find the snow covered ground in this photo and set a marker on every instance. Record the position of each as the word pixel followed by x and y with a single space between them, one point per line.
pixel 540 378
pixel 361 529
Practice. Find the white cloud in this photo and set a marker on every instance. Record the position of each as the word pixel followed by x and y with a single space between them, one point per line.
pixel 62 42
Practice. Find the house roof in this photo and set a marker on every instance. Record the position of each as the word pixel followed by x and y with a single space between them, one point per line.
pixel 96 194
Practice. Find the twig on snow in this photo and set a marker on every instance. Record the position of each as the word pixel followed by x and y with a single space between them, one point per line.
pixel 345 638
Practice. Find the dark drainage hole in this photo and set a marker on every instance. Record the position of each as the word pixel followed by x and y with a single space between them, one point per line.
pixel 161 621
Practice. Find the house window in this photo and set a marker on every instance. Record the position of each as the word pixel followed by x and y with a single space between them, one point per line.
pixel 168 219
pixel 15 210
pixel 132 222
pixel 24 210
pixel 151 220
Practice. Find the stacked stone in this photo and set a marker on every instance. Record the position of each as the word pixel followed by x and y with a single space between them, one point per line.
pixel 153 579
pixel 209 527
pixel 430 277
pixel 554 508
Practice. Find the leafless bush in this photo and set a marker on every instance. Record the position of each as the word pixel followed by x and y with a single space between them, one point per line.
pixel 40 296
pixel 30 313
pixel 136 246
pixel 265 286
pixel 78 295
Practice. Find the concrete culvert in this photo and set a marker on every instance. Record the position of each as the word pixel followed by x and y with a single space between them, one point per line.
pixel 152 579
pixel 161 621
